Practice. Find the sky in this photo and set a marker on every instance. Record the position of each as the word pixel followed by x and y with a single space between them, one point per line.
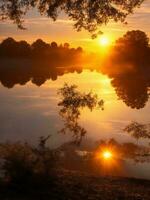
pixel 62 30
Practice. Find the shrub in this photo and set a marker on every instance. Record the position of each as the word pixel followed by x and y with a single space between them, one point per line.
pixel 25 165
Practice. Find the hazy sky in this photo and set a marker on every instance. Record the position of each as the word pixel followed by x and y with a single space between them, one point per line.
pixel 62 30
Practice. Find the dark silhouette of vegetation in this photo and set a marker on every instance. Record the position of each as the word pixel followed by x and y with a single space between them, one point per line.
pixel 25 166
pixel 86 14
pixel 138 130
pixel 22 71
pixel 10 48
pixel 128 65
pixel 76 185
pixel 72 101
pixel 21 62
pixel 39 170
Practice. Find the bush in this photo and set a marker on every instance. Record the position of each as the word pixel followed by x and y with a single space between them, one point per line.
pixel 24 165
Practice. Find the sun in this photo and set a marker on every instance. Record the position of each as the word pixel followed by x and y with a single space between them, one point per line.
pixel 104 41
pixel 107 155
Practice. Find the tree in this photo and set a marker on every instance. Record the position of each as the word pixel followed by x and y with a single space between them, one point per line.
pixel 8 47
pixel 54 45
pixel 135 38
pixel 124 55
pixel 11 48
pixel 79 49
pixel 128 65
pixel 132 90
pixel 87 14
pixel 23 49
pixel 39 45
pixel 27 166
pixel 66 45
pixel 138 130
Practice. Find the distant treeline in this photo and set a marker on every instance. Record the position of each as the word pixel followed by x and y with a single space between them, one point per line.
pixel 14 49
pixel 21 62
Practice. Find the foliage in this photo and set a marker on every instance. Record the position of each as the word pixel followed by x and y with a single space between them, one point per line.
pixel 14 49
pixel 138 130
pixel 21 62
pixel 87 14
pixel 130 73
pixel 124 55
pixel 72 101
pixel 135 38
pixel 25 165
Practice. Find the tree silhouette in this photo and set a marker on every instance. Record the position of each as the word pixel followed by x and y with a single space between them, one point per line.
pixel 138 130
pixel 132 90
pixel 86 14
pixel 128 65
pixel 39 47
pixel 24 49
pixel 11 48
pixel 27 166
pixel 8 47
pixel 54 45
pixel 66 45
pixel 135 38
pixel 14 49
pixel 21 62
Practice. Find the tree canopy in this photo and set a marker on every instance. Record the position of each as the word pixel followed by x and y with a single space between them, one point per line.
pixel 11 48
pixel 87 14
pixel 128 65
pixel 138 130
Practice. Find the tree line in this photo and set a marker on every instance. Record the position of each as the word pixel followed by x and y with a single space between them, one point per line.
pixel 21 49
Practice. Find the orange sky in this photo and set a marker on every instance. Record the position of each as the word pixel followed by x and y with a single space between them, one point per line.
pixel 62 30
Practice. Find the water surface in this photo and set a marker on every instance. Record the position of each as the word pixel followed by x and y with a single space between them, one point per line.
pixel 29 110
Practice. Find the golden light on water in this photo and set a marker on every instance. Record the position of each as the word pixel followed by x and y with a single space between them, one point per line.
pixel 108 162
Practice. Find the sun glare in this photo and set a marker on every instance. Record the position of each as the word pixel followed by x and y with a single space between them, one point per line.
pixel 107 155
pixel 104 41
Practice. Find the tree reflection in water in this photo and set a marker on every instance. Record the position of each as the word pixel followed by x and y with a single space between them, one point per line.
pixel 72 101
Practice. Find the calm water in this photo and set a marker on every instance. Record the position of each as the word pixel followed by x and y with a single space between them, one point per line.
pixel 29 111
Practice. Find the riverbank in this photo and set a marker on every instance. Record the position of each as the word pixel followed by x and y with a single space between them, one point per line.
pixel 72 185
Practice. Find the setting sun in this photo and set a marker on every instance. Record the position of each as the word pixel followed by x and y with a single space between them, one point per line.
pixel 104 41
